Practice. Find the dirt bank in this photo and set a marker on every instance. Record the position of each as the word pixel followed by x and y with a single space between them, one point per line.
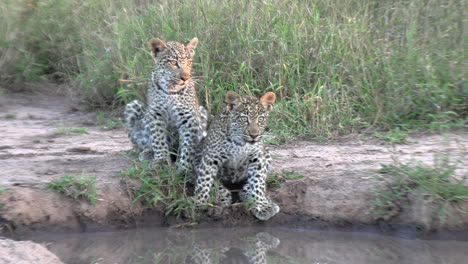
pixel 336 190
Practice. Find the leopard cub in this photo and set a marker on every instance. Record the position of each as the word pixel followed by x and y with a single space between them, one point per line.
pixel 171 122
pixel 233 152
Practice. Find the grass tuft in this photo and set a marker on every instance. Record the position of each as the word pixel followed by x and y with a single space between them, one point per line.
pixel 108 122
pixel 276 178
pixel 436 181
pixel 61 130
pixel 395 136
pixel 10 116
pixel 162 187
pixel 77 187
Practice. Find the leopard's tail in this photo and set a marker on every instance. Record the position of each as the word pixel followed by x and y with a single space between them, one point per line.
pixel 135 121
pixel 134 112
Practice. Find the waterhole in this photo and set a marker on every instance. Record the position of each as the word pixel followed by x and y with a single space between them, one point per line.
pixel 248 245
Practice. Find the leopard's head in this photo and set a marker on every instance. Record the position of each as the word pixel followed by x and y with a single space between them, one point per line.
pixel 249 115
pixel 173 62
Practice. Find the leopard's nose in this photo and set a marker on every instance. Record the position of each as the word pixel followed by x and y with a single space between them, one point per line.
pixel 185 76
pixel 254 135
pixel 254 131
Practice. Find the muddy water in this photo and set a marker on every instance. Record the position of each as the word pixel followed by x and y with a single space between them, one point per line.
pixel 247 245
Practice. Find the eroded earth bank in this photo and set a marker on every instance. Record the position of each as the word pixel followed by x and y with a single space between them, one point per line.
pixel 336 190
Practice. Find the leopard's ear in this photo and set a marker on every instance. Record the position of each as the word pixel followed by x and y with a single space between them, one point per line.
pixel 156 45
pixel 268 100
pixel 192 45
pixel 233 100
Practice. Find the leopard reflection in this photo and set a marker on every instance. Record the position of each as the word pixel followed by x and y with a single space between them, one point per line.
pixel 252 251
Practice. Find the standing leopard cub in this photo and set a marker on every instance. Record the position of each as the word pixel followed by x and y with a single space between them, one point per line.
pixel 233 152
pixel 172 122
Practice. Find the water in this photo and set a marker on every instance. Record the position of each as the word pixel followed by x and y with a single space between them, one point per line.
pixel 248 245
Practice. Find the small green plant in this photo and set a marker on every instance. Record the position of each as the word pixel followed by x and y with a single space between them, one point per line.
pixel 2 190
pixel 276 178
pixel 61 130
pixel 77 187
pixel 31 116
pixel 279 137
pixel 10 116
pixel 108 122
pixel 163 187
pixel 249 203
pixel 396 136
pixel 437 181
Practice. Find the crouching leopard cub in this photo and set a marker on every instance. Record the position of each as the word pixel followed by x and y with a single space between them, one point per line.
pixel 233 152
pixel 172 122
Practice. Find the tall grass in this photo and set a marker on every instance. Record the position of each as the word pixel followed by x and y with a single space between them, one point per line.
pixel 338 66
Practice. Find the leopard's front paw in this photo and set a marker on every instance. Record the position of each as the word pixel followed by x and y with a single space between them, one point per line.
pixel 265 211
pixel 268 240
pixel 224 197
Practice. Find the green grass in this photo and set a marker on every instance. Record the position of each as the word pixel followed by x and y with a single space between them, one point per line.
pixel 337 67
pixel 61 130
pixel 77 187
pixel 276 178
pixel 108 122
pixel 10 116
pixel 435 181
pixel 394 136
pixel 162 187
pixel 2 190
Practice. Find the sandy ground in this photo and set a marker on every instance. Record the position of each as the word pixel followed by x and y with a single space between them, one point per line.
pixel 337 187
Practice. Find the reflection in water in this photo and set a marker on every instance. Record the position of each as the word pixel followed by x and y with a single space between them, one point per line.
pixel 253 251
pixel 247 245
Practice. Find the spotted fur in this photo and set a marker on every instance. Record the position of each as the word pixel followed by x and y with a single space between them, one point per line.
pixel 252 251
pixel 172 121
pixel 233 152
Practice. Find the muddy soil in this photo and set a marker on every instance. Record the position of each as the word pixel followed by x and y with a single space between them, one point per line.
pixel 336 190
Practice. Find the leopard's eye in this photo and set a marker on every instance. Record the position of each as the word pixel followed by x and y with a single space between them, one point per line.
pixel 261 119
pixel 173 63
pixel 244 119
pixel 189 63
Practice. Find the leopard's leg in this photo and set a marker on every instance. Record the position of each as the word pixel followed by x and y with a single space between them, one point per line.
pixel 201 255
pixel 189 136
pixel 158 135
pixel 255 188
pixel 204 117
pixel 205 172
pixel 263 244
pixel 224 196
